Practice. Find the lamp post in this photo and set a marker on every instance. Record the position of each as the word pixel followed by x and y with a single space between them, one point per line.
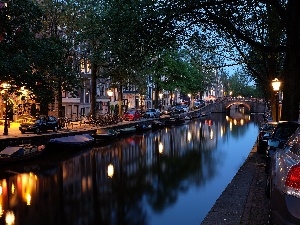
pixel 5 132
pixel 5 87
pixel 110 94
pixel 276 86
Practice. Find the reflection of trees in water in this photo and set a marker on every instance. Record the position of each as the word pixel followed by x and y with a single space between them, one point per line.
pixel 119 198
pixel 141 170
pixel 170 176
pixel 182 164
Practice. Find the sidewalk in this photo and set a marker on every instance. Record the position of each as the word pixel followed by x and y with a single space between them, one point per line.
pixel 13 130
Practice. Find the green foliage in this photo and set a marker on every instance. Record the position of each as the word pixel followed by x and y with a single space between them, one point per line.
pixel 29 56
pixel 135 32
pixel 241 85
pixel 20 20
pixel 52 69
pixel 180 44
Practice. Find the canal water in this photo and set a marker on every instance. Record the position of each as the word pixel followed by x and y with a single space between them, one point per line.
pixel 169 176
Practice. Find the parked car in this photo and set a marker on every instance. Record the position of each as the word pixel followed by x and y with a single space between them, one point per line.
pixel 185 108
pixel 265 133
pixel 199 104
pixel 167 111
pixel 132 115
pixel 142 112
pixel 152 113
pixel 41 124
pixel 283 183
pixel 279 137
pixel 177 109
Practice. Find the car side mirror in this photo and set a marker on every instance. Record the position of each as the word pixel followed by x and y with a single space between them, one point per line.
pixel 267 135
pixel 273 142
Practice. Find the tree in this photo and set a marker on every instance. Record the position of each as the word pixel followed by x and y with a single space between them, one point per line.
pixel 20 21
pixel 58 53
pixel 33 52
pixel 245 27
pixel 241 85
pixel 132 41
pixel 55 72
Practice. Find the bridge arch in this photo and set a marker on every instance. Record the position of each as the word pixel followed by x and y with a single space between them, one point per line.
pixel 224 106
pixel 238 103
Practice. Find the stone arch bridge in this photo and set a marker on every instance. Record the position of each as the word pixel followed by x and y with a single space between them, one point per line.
pixel 252 106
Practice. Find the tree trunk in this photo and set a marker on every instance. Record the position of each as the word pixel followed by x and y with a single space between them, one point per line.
pixel 156 96
pixel 93 90
pixel 291 82
pixel 274 32
pixel 120 100
pixel 59 102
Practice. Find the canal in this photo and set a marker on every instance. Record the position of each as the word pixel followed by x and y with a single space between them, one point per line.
pixel 169 176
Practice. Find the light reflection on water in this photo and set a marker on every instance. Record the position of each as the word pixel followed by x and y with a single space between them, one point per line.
pixel 168 176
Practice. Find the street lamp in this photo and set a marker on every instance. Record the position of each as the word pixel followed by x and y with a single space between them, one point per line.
pixel 276 86
pixel 5 87
pixel 110 94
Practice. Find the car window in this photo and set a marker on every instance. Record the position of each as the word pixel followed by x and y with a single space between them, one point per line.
pixel 284 132
pixel 269 126
pixel 295 145
pixel 38 121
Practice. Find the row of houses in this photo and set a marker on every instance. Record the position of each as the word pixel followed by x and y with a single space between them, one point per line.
pixel 107 97
pixel 74 107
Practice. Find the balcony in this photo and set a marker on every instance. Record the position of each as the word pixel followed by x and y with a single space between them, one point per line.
pixel 71 100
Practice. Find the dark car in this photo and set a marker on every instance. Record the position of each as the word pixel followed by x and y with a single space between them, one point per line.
pixel 166 111
pixel 177 109
pixel 265 133
pixel 283 183
pixel 41 124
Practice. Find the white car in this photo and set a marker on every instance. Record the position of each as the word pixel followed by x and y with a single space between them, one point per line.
pixel 152 113
pixel 186 108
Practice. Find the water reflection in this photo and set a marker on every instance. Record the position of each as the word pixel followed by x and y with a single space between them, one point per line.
pixel 168 176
